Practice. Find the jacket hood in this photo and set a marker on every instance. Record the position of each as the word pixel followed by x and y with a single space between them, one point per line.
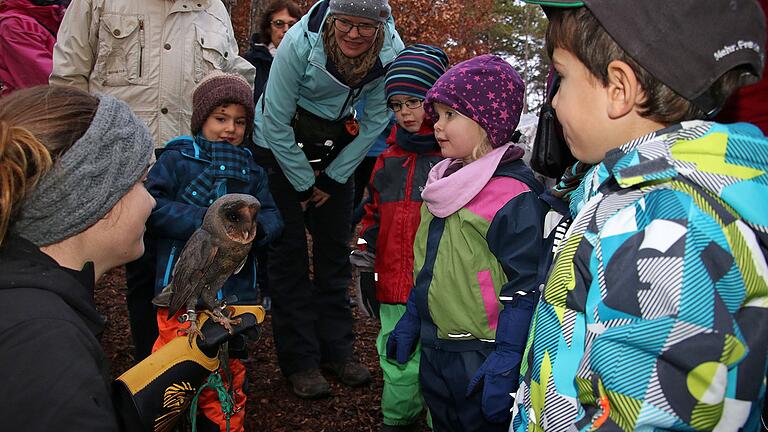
pixel 258 50
pixel 48 16
pixel 23 265
pixel 255 40
pixel 730 161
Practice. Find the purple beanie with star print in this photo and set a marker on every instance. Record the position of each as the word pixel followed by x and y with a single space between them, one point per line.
pixel 486 89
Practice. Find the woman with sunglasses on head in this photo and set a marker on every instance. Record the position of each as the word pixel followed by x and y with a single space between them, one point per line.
pixel 310 141
pixel 279 16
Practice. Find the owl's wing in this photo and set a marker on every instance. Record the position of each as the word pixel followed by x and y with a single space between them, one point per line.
pixel 190 271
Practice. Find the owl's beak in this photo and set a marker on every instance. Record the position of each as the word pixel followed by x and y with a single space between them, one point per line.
pixel 252 211
pixel 250 233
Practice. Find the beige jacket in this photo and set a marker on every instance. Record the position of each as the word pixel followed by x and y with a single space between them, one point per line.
pixel 149 53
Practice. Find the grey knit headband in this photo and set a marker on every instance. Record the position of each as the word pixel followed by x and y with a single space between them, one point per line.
pixel 88 179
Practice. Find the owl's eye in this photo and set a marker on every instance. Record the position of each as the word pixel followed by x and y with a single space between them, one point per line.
pixel 232 217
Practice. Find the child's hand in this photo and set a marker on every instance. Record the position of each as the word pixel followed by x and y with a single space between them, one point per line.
pixel 499 378
pixel 405 336
pixel 402 342
pixel 319 197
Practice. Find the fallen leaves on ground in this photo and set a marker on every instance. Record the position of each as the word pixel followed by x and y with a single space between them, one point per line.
pixel 271 407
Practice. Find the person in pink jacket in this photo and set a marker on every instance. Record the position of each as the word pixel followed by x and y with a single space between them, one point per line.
pixel 27 34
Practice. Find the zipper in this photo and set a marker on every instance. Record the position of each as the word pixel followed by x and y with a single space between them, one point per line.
pixel 141 46
pixel 254 280
pixel 350 94
pixel 169 266
pixel 410 160
pixel 344 106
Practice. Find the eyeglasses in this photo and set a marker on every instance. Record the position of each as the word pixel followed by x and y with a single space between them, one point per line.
pixel 364 30
pixel 278 23
pixel 410 103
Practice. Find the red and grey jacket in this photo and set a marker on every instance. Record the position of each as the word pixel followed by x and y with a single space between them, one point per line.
pixel 392 212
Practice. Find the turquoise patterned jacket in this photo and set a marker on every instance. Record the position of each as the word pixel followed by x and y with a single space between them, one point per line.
pixel 655 313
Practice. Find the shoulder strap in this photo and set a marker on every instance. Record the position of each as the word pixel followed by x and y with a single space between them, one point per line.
pixel 515 172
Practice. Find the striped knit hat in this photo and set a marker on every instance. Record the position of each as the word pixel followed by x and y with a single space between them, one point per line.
pixel 415 70
pixel 216 89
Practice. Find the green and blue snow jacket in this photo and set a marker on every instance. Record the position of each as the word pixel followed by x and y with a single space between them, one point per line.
pixel 655 312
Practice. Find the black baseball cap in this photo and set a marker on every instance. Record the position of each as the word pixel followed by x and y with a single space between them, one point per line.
pixel 686 44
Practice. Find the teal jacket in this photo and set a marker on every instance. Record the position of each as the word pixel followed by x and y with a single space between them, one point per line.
pixel 300 76
pixel 655 313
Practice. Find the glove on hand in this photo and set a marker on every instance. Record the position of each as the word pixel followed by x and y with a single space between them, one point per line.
pixel 365 295
pixel 403 340
pixel 215 335
pixel 498 377
pixel 365 289
pixel 178 369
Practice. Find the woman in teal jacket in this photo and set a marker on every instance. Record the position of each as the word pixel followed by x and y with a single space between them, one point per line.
pixel 310 139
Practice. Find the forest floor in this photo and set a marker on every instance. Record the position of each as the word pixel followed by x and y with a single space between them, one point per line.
pixel 271 407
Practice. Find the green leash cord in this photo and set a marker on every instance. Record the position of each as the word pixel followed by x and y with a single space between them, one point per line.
pixel 225 399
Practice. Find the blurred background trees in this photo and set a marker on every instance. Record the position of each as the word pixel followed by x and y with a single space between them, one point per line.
pixel 464 29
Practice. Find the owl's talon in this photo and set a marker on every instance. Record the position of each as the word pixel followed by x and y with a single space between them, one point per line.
pixel 220 317
pixel 192 331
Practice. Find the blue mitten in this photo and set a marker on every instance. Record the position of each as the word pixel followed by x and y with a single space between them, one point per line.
pixel 499 374
pixel 403 340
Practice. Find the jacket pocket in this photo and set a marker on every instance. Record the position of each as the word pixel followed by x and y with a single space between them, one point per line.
pixel 211 52
pixel 121 50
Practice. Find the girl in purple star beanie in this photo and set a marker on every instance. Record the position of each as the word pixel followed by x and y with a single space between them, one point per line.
pixel 485 89
pixel 476 252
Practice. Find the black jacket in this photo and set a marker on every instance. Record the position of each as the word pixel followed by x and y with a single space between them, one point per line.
pixel 53 372
pixel 258 55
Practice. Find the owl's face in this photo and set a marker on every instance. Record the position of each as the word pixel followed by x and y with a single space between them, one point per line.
pixel 239 220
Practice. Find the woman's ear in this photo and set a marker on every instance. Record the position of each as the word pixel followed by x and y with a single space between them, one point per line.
pixel 623 89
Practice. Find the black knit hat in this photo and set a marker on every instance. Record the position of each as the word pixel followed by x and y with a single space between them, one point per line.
pixel 219 88
pixel 685 44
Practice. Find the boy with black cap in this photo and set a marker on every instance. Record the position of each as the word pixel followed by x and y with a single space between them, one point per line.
pixel 654 314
